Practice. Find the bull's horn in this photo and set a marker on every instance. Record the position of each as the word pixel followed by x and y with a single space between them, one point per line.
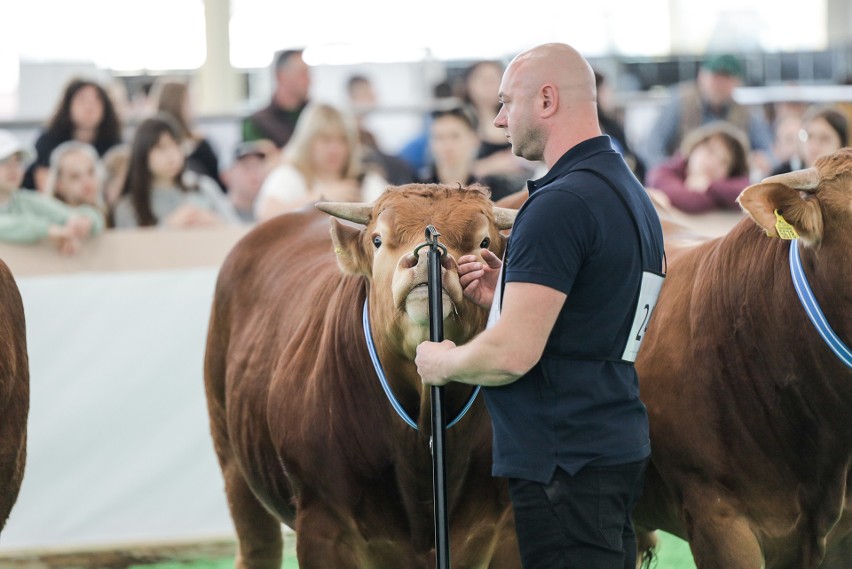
pixel 504 217
pixel 807 179
pixel 354 212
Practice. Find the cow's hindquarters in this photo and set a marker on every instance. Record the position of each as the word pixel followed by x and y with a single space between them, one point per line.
pixel 260 542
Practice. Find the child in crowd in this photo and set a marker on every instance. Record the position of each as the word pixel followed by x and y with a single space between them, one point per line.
pixel 30 217
pixel 709 171
pixel 76 175
pixel 159 190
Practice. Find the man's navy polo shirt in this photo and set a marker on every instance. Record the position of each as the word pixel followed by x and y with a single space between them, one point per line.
pixel 580 404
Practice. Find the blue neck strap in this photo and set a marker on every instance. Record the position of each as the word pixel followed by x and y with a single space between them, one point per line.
pixel 377 365
pixel 811 306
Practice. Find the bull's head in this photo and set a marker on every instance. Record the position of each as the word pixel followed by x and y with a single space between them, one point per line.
pixel 383 252
pixel 817 201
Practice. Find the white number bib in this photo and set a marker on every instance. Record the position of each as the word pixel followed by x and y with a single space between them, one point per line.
pixel 494 314
pixel 649 291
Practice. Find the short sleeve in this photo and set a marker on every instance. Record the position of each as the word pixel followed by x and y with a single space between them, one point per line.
pixel 551 240
pixel 284 184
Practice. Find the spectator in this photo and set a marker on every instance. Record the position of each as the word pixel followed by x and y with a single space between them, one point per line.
pixel 323 161
pixel 709 171
pixel 85 113
pixel 172 97
pixel 159 190
pixel 76 175
pixel 708 99
pixel 362 101
pixel 825 129
pixel 28 217
pixel 277 121
pixel 613 128
pixel 415 152
pixel 786 142
pixel 252 163
pixel 506 172
pixel 362 96
pixel 453 143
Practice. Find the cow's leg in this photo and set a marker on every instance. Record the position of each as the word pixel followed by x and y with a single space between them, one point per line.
pixel 324 541
pixel 720 538
pixel 260 543
pixel 507 555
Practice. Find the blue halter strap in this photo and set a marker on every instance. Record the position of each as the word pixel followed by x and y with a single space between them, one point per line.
pixel 811 306
pixel 377 365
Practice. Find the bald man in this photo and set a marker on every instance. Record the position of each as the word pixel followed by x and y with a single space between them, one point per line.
pixel 569 305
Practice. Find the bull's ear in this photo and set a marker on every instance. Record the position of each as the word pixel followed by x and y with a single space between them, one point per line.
pixel 347 247
pixel 798 208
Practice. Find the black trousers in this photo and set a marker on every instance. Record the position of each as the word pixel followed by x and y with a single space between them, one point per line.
pixel 581 521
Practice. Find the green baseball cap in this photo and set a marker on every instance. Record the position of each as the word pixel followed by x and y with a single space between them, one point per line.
pixel 725 64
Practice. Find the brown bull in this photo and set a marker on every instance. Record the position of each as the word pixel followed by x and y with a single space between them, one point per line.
pixel 304 432
pixel 749 407
pixel 14 392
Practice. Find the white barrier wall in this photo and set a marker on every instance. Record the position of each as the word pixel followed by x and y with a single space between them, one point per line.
pixel 119 448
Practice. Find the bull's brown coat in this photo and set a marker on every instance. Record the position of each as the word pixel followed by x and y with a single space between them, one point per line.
pixel 14 392
pixel 749 409
pixel 301 426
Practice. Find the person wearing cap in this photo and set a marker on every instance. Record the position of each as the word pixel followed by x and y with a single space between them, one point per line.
pixel 708 99
pixel 30 217
pixel 252 162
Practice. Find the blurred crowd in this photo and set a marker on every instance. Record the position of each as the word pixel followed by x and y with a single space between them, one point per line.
pixel 86 176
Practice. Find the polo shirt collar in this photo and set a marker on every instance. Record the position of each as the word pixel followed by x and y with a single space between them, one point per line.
pixel 571 159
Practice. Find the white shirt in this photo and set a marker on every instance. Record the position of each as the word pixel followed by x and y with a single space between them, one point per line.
pixel 285 183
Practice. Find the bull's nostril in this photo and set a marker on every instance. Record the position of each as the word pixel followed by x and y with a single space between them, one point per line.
pixel 408 261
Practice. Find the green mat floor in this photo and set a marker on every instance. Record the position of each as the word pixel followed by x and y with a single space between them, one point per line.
pixel 673 554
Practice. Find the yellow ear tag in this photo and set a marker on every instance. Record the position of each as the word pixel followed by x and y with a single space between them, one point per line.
pixel 784 229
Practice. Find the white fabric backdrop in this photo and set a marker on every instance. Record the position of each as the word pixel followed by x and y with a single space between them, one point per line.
pixel 119 448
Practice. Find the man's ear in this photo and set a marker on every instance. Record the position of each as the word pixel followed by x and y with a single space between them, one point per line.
pixel 799 209
pixel 549 100
pixel 347 247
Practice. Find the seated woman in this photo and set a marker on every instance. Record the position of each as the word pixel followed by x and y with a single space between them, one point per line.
pixel 159 190
pixel 709 171
pixel 825 129
pixel 453 143
pixel 322 161
pixel 85 113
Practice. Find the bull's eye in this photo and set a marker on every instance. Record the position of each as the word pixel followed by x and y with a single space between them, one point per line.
pixel 377 241
pixel 485 243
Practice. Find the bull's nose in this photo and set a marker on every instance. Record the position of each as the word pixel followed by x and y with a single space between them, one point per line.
pixel 408 261
pixel 420 262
